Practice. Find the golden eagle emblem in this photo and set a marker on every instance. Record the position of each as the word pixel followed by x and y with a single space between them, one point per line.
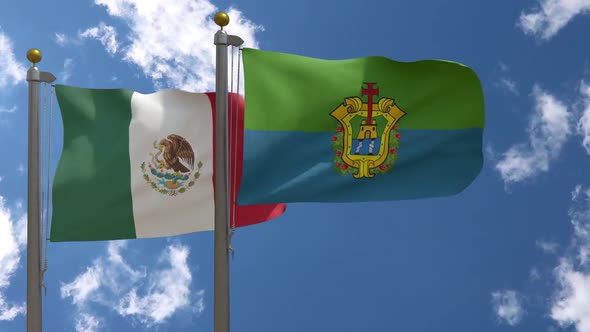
pixel 171 169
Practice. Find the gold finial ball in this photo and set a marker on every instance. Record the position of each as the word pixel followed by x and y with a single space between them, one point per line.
pixel 34 55
pixel 221 19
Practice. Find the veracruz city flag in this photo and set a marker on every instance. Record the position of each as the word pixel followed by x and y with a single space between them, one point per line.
pixel 141 165
pixel 364 129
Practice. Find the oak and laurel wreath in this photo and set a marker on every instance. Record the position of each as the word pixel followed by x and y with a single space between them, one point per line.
pixel 172 192
pixel 338 147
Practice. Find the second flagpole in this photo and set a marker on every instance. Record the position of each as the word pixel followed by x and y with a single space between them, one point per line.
pixel 221 247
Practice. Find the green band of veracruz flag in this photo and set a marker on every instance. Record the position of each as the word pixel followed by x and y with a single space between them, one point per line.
pixel 365 129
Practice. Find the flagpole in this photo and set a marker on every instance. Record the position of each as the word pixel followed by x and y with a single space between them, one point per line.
pixel 221 260
pixel 34 77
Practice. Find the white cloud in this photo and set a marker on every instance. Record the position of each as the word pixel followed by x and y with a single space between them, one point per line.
pixel 12 242
pixel 576 193
pixel 550 16
pixel 21 169
pixel 584 122
pixel 507 305
pixel 547 247
pixel 8 110
pixel 169 291
pixel 548 130
pixel 11 71
pixel 148 297
pixel 87 323
pixel 509 85
pixel 5 110
pixel 61 39
pixel 186 61
pixel 9 311
pixel 503 67
pixel 571 304
pixel 66 74
pixel 83 285
pixel 504 81
pixel 580 219
pixel 105 34
pixel 490 153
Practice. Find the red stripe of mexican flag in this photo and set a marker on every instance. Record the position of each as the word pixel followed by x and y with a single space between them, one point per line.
pixel 246 214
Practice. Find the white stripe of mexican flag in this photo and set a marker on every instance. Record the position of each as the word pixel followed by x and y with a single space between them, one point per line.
pixel 180 125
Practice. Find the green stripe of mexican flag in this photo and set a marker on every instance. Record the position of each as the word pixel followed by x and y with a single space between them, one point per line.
pixel 137 166
pixel 108 136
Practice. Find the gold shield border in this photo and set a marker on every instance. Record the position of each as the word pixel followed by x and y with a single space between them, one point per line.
pixel 354 106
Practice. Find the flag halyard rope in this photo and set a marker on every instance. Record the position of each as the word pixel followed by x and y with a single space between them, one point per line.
pixel 231 154
pixel 234 117
pixel 45 147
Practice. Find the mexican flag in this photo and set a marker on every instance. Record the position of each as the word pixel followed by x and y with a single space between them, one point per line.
pixel 141 165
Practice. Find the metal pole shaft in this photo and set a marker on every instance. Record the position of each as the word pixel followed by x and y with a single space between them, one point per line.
pixel 221 264
pixel 34 317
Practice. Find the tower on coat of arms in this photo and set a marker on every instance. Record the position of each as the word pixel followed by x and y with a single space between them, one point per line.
pixel 366 140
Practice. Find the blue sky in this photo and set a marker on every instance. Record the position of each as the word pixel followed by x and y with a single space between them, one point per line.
pixel 510 253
